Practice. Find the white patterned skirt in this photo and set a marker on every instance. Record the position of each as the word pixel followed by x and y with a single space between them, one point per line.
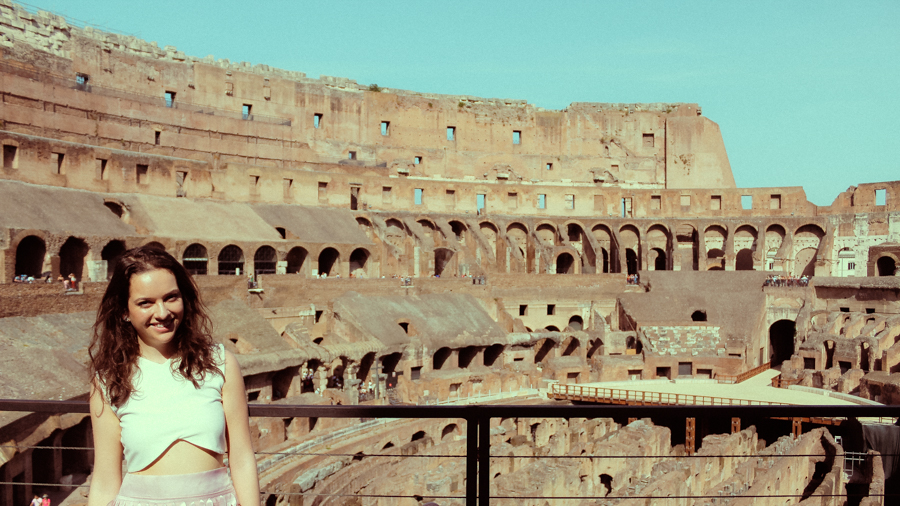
pixel 209 488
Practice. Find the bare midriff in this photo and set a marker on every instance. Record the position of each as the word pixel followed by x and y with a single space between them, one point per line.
pixel 182 457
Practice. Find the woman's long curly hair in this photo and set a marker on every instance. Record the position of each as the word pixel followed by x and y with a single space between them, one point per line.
pixel 114 348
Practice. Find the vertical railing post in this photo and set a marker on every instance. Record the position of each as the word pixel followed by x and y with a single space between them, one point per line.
pixel 471 461
pixel 484 461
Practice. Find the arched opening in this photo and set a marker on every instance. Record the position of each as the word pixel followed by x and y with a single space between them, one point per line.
pixel 887 266
pixel 466 356
pixel 440 358
pixel 492 353
pixel 111 253
pixel 864 356
pixel 30 255
pixel 359 260
pixel 389 363
pixel 658 257
pixel 116 208
pixel 543 350
pixel 296 258
pixel 605 255
pixel 594 347
pixel 633 343
pixel 329 261
pixel 195 259
pixel 231 261
pixel 565 264
pixel 631 261
pixel 715 260
pixel 264 260
pixel 805 263
pixel 442 257
pixel 781 341
pixel 459 231
pixel 449 431
pixel 546 234
pixel 571 347
pixel 576 323
pixel 698 316
pixel 744 260
pixel 417 436
pixel 365 365
pixel 71 257
pixel 606 482
pixel 604 238
pixel 551 328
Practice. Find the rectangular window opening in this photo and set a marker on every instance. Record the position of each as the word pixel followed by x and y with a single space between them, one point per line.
pixel 101 169
pixel 626 207
pixel 180 178
pixel 81 80
pixel 685 201
pixel 323 191
pixel 517 137
pixel 451 199
pixel 245 110
pixel 254 185
pixel 542 201
pixel 775 202
pixel 170 99
pixel 9 156
pixel 512 200
pixel 385 128
pixel 142 172
pixel 746 201
pixel 385 194
pixel 451 133
pixel 415 373
pixel 655 202
pixel 523 309
pixel 156 137
pixel 549 166
pixel 480 199
pixel 317 120
pixel 354 197
pixel 845 309
pixel 351 155
pixel 649 140
pixel 417 160
pixel 420 193
pixel 60 157
pixel 881 197
pixel 598 203
pixel 570 201
pixel 715 203
pixel 287 186
pixel 551 309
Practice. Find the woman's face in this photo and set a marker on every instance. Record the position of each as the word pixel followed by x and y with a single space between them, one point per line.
pixel 155 309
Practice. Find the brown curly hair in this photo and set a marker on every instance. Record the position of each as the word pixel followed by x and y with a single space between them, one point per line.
pixel 114 348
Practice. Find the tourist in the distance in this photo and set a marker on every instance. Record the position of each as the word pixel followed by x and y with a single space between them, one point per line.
pixel 165 397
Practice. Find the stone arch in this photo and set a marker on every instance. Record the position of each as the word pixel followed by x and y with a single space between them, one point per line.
pixel 195 259
pixel 715 260
pixel 459 230
pixel 546 234
pixel 296 260
pixel 449 432
pixel 886 266
pixel 395 232
pixel 111 253
pixel 594 347
pixel 265 260
pixel 72 257
pixel 631 241
pixel 805 262
pixel 490 233
pixel 744 260
pixel 576 322
pixel 492 353
pixel 329 262
pixel 565 263
pixel 714 239
pixel 574 232
pixel 31 254
pixel 366 226
pixel 443 258
pixel 657 259
pixel 359 260
pixel 518 235
pixel 698 316
pixel 781 341
pixel 542 349
pixel 231 261
pixel 608 252
pixel 570 346
pixel 687 254
pixel 439 359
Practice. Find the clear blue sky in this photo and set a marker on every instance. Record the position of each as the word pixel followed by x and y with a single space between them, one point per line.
pixel 806 93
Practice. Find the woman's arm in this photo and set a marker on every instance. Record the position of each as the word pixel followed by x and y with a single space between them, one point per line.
pixel 107 474
pixel 241 459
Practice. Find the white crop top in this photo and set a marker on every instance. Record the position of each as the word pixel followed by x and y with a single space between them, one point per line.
pixel 166 407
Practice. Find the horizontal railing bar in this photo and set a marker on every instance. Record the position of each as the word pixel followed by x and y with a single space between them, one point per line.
pixel 507 411
pixel 860 455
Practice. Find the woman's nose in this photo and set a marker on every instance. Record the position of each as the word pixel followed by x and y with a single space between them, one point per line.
pixel 161 310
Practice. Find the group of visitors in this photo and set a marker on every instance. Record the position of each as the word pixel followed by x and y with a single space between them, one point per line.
pixel 632 279
pixel 786 280
pixel 38 500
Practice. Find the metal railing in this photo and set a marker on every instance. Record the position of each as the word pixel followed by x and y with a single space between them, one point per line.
pixel 478 433
pixel 642 398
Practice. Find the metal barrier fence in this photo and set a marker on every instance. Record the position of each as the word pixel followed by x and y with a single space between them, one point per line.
pixel 638 397
pixel 478 451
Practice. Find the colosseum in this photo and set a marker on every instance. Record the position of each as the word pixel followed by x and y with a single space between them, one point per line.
pixel 367 246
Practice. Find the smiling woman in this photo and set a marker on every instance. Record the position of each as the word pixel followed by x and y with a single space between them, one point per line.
pixel 151 356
